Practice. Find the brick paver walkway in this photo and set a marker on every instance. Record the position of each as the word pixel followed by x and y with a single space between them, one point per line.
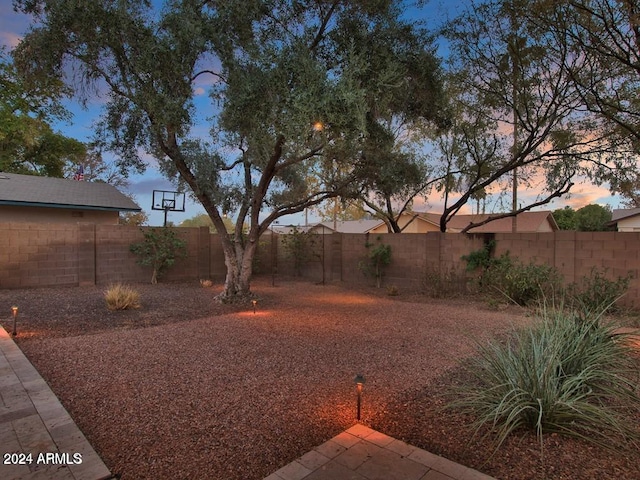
pixel 38 438
pixel 361 453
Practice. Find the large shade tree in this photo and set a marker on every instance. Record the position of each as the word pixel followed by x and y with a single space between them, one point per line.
pixel 296 86
pixel 605 34
pixel 522 119
pixel 28 143
pixel 395 173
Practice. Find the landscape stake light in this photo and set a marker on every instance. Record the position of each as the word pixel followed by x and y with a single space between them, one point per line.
pixel 254 302
pixel 359 381
pixel 14 310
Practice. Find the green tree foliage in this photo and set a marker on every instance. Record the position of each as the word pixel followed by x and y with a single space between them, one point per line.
pixel 97 169
pixel 28 144
pixel 590 218
pixel 341 210
pixel 378 258
pixel 203 220
pixel 133 218
pixel 396 170
pixel 159 250
pixel 597 292
pixel 277 68
pixel 565 218
pixel 593 218
pixel 299 247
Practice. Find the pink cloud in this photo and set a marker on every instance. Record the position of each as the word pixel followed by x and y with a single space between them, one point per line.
pixel 10 39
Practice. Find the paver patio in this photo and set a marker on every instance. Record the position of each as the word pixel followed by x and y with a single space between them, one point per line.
pixel 361 453
pixel 33 421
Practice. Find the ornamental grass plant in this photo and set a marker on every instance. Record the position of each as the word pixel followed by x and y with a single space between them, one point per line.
pixel 568 373
pixel 121 297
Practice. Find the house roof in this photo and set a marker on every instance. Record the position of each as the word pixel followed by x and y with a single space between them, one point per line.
pixel 352 226
pixel 527 222
pixel 36 191
pixel 287 229
pixel 348 226
pixel 622 213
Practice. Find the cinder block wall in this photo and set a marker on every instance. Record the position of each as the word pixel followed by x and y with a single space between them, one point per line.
pixel 115 263
pixel 35 255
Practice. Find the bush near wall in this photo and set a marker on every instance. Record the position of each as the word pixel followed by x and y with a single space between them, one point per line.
pixel 33 255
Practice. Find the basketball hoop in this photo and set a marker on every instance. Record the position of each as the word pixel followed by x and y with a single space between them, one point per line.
pixel 168 202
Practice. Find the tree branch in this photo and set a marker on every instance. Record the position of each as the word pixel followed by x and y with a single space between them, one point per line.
pixel 558 193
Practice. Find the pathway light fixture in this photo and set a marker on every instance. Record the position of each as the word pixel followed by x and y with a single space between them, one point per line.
pixel 359 381
pixel 14 310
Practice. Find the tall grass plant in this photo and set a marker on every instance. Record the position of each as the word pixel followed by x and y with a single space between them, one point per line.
pixel 568 373
pixel 120 296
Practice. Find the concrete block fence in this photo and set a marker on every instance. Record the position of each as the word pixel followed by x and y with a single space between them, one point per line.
pixel 39 255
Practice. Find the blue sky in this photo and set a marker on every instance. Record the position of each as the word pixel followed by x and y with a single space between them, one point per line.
pixel 13 26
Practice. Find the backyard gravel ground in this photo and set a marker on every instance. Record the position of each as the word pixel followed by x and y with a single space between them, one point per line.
pixel 185 388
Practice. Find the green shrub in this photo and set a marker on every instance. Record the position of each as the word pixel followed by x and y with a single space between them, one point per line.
pixel 480 259
pixel 521 283
pixel 160 249
pixel 121 297
pixel 377 260
pixel 596 292
pixel 563 374
pixel 299 247
pixel 446 283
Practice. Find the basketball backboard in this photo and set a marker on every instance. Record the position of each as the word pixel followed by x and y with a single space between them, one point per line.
pixel 168 201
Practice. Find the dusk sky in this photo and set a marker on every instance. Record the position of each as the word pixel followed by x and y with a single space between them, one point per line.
pixel 13 26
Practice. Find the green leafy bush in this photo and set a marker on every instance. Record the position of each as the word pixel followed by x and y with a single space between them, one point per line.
pixel 596 292
pixel 119 296
pixel 299 246
pixel 160 249
pixel 480 259
pixel 521 283
pixel 563 374
pixel 378 258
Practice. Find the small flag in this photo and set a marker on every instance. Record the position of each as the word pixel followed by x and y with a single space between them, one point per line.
pixel 79 174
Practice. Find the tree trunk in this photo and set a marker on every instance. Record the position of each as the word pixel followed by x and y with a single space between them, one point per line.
pixel 239 262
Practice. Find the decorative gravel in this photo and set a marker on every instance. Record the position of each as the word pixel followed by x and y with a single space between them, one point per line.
pixel 185 388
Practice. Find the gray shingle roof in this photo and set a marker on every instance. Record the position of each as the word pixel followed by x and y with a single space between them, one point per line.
pixel 352 226
pixel 620 213
pixel 31 190
pixel 528 222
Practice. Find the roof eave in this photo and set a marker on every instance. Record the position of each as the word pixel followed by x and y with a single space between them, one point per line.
pixel 68 206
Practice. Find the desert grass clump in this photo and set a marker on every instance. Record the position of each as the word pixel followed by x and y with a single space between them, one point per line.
pixel 596 292
pixel 566 374
pixel 121 297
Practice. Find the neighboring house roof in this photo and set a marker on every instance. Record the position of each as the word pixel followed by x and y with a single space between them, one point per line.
pixel 528 222
pixel 623 213
pixel 348 226
pixel 36 191
pixel 352 226
pixel 287 229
